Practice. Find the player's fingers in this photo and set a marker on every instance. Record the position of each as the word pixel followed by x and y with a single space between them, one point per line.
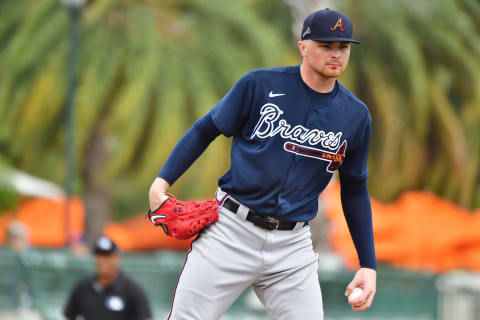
pixel 351 286
pixel 360 300
pixel 367 292
pixel 368 301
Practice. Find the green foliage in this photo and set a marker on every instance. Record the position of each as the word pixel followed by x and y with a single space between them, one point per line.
pixel 9 198
pixel 418 71
pixel 148 69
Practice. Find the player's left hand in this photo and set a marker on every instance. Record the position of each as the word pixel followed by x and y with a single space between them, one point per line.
pixel 366 279
pixel 184 219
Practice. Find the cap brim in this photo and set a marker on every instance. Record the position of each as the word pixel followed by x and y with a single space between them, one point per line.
pixel 105 252
pixel 337 39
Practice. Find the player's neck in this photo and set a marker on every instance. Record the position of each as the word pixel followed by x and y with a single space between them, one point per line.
pixel 316 81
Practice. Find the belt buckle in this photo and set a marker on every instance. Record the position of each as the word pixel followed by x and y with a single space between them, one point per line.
pixel 272 219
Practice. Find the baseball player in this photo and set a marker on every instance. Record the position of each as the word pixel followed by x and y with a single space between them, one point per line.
pixel 292 128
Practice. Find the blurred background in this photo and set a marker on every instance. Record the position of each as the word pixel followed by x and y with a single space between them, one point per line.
pixel 95 94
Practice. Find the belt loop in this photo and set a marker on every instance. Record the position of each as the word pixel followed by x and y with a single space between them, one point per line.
pixel 242 212
pixel 298 226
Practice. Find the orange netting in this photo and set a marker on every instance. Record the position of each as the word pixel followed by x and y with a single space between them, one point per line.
pixel 46 224
pixel 419 230
pixel 138 233
pixel 45 220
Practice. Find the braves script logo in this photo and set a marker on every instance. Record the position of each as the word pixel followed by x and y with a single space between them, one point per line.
pixel 269 125
pixel 339 24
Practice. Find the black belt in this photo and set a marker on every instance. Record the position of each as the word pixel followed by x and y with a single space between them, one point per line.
pixel 265 222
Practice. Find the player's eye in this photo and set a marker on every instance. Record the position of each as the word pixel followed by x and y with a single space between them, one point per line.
pixel 325 46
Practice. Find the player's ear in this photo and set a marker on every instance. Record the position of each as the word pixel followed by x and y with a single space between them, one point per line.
pixel 302 47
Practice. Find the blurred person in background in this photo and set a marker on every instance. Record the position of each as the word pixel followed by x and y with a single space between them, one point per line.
pixel 17 237
pixel 79 247
pixel 16 284
pixel 109 294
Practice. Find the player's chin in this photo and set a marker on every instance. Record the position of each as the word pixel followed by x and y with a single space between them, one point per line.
pixel 332 72
pixel 332 75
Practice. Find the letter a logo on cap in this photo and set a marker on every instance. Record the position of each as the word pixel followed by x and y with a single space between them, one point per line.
pixel 306 32
pixel 338 24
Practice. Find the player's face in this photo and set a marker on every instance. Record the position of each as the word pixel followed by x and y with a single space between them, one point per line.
pixel 327 59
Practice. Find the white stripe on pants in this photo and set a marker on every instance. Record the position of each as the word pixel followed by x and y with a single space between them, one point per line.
pixel 232 254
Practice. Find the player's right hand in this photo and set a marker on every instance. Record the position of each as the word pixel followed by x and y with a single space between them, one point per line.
pixel 366 279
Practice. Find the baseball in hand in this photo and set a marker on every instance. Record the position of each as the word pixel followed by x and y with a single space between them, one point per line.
pixel 357 292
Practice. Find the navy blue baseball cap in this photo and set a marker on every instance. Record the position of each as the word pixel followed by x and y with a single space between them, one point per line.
pixel 329 26
pixel 105 246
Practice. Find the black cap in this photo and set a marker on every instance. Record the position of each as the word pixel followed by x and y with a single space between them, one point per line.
pixel 105 246
pixel 329 26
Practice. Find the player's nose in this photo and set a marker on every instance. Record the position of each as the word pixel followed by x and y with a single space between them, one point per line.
pixel 335 53
pixel 335 60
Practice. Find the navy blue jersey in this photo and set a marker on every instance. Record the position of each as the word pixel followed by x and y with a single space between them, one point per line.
pixel 288 140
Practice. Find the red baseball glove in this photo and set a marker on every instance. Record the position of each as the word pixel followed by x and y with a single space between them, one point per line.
pixel 184 219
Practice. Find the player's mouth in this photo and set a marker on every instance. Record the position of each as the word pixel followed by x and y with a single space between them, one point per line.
pixel 334 65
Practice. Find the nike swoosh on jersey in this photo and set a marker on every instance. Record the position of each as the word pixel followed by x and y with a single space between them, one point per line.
pixel 273 95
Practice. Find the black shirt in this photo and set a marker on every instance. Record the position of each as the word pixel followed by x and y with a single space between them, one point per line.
pixel 123 299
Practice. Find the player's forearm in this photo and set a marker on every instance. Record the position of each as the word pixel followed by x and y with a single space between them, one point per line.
pixel 358 214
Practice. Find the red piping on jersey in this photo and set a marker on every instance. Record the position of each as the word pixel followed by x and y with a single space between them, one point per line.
pixel 220 202
pixel 178 280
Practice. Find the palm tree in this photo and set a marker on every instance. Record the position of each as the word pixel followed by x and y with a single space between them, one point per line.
pixel 418 70
pixel 147 70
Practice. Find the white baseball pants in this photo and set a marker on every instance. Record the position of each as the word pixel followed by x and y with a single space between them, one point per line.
pixel 232 254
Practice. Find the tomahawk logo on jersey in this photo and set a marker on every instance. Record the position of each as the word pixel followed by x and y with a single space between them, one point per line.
pixel 334 159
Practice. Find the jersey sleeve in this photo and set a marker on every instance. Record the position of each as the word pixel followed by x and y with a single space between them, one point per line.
pixel 189 148
pixel 231 112
pixel 355 196
pixel 358 214
pixel 355 162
